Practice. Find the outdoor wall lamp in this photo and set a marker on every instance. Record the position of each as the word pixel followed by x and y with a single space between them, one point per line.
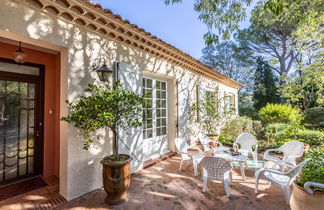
pixel 104 73
pixel 19 55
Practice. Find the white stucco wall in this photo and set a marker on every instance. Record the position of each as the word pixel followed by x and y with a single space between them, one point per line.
pixel 80 170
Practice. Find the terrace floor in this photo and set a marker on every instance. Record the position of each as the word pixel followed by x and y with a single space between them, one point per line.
pixel 162 186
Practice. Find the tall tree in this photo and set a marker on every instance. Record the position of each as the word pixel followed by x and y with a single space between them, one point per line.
pixel 272 36
pixel 232 60
pixel 265 90
pixel 222 17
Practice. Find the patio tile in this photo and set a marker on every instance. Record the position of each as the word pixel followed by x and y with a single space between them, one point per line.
pixel 162 186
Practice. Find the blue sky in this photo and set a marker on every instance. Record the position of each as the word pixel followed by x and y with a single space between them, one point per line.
pixel 176 24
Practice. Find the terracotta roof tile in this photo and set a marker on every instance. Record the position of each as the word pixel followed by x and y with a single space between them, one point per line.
pixel 99 7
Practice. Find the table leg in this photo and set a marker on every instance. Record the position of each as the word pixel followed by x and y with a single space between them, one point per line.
pixel 242 170
pixel 195 166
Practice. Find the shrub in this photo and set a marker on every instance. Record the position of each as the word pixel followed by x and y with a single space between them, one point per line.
pixel 257 128
pixel 237 126
pixel 314 169
pixel 314 116
pixel 280 113
pixel 226 139
pixel 311 137
pixel 277 133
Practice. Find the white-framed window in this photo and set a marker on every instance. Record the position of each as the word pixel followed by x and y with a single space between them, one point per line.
pixel 155 109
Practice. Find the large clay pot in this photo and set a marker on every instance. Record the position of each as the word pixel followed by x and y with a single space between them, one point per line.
pixel 116 179
pixel 302 200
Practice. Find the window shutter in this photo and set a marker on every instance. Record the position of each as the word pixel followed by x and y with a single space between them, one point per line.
pixel 130 141
pixel 183 110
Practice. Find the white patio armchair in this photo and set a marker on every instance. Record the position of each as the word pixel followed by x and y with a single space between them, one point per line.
pixel 205 140
pixel 291 151
pixel 284 180
pixel 183 147
pixel 215 168
pixel 248 144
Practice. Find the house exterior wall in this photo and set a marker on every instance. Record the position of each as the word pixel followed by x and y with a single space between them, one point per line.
pixel 80 170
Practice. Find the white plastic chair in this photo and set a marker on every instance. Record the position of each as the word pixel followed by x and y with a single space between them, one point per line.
pixel 205 140
pixel 216 168
pixel 248 144
pixel 284 180
pixel 308 186
pixel 291 151
pixel 182 147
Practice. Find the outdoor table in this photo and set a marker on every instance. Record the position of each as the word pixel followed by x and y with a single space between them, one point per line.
pixel 233 158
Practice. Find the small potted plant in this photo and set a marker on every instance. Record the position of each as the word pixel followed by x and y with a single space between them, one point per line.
pixel 113 108
pixel 313 171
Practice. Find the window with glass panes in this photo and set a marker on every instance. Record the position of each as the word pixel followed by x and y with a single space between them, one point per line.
pixel 155 109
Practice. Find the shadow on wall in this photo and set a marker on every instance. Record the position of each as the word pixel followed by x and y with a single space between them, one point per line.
pixel 85 48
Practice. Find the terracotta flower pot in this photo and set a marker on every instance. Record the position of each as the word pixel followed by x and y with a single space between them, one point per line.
pixel 116 179
pixel 302 200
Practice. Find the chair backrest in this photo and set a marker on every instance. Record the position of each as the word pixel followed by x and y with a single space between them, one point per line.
pixel 292 173
pixel 246 141
pixel 182 147
pixel 215 167
pixel 292 148
pixel 204 140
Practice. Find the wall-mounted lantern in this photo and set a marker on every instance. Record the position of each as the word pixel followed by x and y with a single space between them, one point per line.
pixel 104 73
pixel 20 56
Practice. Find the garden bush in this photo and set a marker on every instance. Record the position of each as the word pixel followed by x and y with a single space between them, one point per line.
pixel 278 133
pixel 314 116
pixel 226 140
pixel 311 137
pixel 313 171
pixel 237 126
pixel 280 113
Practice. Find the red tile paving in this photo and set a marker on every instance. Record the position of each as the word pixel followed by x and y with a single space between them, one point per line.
pixel 162 186
pixel 43 198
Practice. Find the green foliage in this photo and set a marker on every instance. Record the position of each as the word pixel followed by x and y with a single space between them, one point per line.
pixel 307 89
pixel 314 116
pixel 222 17
pixel 246 106
pixel 280 113
pixel 313 171
pixel 237 126
pixel 226 139
pixel 265 90
pixel 213 111
pixel 311 137
pixel 278 133
pixel 104 107
pixel 233 61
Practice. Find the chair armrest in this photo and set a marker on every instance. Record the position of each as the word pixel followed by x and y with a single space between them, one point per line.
pixel 194 147
pixel 308 186
pixel 291 157
pixel 263 170
pixel 266 153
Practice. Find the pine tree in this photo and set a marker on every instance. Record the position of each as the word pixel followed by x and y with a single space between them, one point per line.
pixel 265 90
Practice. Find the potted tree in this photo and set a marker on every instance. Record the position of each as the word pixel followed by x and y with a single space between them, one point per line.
pixel 313 171
pixel 113 108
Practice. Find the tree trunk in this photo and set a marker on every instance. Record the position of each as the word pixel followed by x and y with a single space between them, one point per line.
pixel 115 141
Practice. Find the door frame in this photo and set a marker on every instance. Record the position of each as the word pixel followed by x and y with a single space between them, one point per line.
pixel 40 85
pixel 167 136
